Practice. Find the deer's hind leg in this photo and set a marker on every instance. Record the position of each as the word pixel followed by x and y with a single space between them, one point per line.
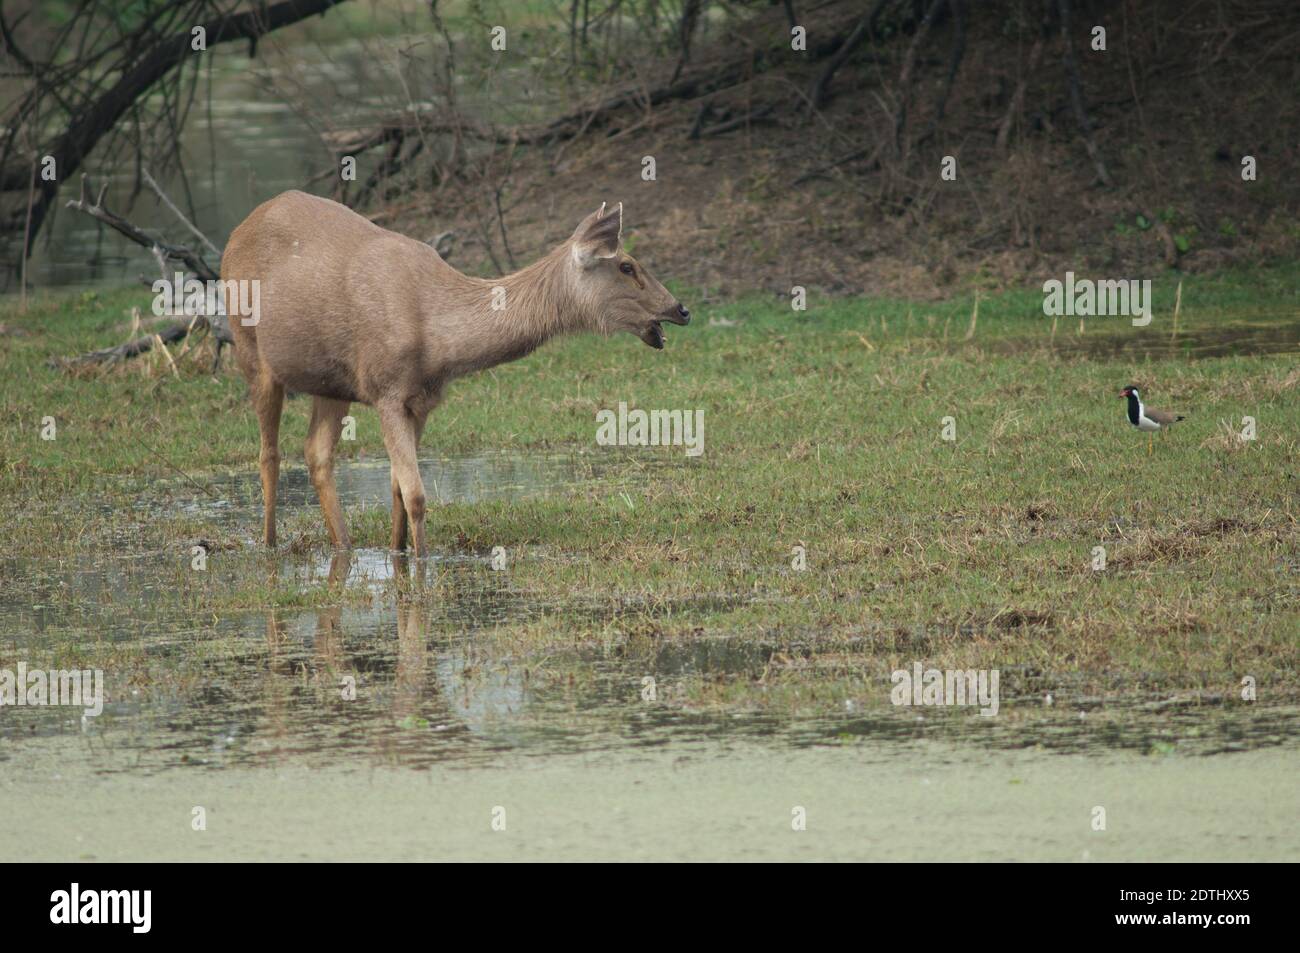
pixel 268 400
pixel 322 437
pixel 399 516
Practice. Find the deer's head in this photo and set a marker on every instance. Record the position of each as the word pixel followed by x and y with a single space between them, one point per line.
pixel 612 288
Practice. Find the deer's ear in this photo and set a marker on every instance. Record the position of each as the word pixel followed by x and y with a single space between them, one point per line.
pixel 598 235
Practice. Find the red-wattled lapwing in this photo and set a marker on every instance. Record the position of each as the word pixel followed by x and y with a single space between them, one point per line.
pixel 1146 418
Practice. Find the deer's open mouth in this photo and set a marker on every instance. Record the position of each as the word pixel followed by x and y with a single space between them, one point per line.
pixel 653 335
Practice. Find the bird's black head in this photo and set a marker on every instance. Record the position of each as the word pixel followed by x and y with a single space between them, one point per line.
pixel 1129 391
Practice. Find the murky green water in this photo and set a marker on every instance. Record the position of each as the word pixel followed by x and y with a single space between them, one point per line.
pixel 703 799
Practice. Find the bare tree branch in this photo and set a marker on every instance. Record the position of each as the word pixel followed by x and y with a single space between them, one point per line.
pixel 180 253
pixel 177 212
pixel 1076 94
pixel 143 61
pixel 866 27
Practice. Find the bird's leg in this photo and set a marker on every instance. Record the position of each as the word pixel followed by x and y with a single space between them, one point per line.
pixel 1149 441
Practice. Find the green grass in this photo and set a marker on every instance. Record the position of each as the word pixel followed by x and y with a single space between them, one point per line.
pixel 822 429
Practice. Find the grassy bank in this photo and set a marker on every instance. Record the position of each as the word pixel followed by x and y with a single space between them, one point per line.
pixel 822 430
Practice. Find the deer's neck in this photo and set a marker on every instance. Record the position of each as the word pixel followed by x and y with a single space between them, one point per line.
pixel 512 316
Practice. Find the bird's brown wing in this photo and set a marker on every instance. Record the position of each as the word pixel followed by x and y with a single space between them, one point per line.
pixel 1163 417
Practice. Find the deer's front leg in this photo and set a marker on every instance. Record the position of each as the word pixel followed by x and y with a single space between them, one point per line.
pixel 398 426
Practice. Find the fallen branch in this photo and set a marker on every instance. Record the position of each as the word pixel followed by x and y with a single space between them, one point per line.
pixel 163 197
pixel 761 115
pixel 163 252
pixel 173 332
pixel 180 253
pixel 872 153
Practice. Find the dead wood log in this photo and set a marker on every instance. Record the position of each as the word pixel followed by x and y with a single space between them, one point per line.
pixel 870 153
pixel 763 114
pixel 170 334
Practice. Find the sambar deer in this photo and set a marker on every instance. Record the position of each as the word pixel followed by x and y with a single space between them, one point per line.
pixel 348 311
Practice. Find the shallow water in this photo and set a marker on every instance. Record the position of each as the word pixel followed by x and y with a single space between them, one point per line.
pixel 401 706
pixel 470 478
pixel 119 591
pixel 433 683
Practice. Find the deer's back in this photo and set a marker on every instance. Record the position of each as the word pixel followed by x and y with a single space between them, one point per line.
pixel 340 299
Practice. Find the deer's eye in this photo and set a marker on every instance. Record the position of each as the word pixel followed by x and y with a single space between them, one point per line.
pixel 627 268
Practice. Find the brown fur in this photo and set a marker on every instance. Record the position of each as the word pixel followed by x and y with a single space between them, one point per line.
pixel 352 312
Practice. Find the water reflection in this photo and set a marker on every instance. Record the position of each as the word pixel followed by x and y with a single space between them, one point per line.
pixel 370 658
pixel 415 674
pixel 470 478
